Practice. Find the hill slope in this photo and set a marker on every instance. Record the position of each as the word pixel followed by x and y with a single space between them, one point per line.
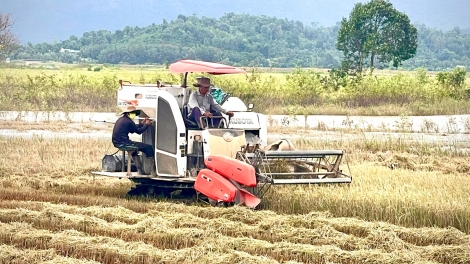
pixel 239 39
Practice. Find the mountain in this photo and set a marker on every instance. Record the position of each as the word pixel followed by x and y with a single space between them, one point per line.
pixel 239 40
pixel 39 21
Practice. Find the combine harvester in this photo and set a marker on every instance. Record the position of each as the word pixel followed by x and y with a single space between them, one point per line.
pixel 227 164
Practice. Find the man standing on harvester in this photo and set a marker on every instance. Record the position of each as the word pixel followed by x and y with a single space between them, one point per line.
pixel 201 103
pixel 125 125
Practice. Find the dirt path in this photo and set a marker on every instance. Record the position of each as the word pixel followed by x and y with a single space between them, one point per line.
pixel 460 141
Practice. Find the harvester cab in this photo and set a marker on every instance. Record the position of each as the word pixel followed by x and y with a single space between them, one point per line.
pixel 226 164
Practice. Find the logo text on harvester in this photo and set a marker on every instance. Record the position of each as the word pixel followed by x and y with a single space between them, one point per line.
pixel 241 121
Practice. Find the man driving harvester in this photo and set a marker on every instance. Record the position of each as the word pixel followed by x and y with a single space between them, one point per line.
pixel 125 125
pixel 202 103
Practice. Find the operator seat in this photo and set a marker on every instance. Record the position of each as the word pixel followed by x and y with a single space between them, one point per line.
pixel 190 124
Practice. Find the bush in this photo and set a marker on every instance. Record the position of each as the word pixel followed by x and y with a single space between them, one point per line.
pixel 454 81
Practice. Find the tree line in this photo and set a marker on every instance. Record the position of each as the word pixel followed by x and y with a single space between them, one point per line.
pixel 242 40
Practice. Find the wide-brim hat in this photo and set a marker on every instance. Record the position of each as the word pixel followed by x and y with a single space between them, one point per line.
pixel 130 109
pixel 203 81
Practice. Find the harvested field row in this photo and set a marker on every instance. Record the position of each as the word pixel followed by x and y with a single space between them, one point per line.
pixel 53 211
pixel 159 234
pixel 13 255
pixel 236 221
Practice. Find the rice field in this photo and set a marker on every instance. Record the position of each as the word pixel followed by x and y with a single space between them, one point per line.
pixel 75 88
pixel 52 210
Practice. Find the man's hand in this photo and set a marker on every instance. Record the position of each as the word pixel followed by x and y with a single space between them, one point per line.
pixel 147 121
pixel 230 113
pixel 207 114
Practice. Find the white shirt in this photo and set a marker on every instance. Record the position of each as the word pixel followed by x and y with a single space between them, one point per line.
pixel 204 102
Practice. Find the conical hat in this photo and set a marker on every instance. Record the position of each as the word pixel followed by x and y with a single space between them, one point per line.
pixel 130 109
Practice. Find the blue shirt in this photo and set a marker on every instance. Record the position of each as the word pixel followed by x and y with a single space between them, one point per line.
pixel 123 126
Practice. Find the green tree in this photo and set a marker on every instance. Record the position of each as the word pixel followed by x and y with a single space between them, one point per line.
pixel 376 31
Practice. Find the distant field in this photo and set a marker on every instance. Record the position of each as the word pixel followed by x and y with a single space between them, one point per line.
pixel 92 88
pixel 53 211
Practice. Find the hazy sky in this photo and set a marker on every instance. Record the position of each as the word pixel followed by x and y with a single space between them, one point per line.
pixel 48 20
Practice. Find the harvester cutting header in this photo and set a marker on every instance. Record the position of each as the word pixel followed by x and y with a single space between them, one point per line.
pixel 222 156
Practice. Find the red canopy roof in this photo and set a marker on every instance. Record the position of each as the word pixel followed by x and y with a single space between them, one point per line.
pixel 183 66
